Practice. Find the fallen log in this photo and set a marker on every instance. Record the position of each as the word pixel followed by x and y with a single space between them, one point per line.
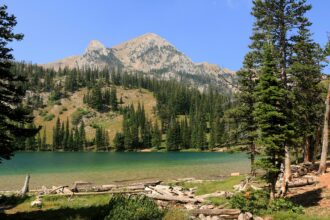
pixel 78 184
pixel 59 189
pixel 222 194
pixel 223 213
pixel 174 198
pixel 99 193
pixel 301 183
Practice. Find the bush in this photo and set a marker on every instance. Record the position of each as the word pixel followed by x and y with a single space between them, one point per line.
pixel 176 214
pixel 253 201
pixel 77 116
pixel 284 205
pixel 49 117
pixel 133 208
pixel 257 201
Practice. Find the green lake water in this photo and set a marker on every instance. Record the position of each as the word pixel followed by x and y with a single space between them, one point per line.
pixel 63 168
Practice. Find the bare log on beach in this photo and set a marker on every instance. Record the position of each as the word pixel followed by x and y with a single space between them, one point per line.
pixel 25 188
pixel 174 198
pixel 223 213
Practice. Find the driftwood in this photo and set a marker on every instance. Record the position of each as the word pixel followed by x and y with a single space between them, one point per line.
pixel 25 188
pixel 223 213
pixel 222 194
pixel 174 198
pixel 59 189
pixel 78 184
pixel 100 193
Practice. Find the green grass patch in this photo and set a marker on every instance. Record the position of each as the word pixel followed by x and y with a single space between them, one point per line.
pixel 62 202
pixel 287 215
pixel 219 201
pixel 207 187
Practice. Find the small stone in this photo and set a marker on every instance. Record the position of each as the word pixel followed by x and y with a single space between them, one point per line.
pixel 189 206
pixel 248 216
pixel 204 207
pixel 210 206
pixel 201 216
pixel 215 218
pixel 37 203
pixel 208 217
pixel 257 218
pixel 235 174
pixel 241 216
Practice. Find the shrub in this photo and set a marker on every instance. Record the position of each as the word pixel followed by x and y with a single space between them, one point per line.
pixel 49 117
pixel 77 116
pixel 133 208
pixel 284 205
pixel 176 214
pixel 257 201
pixel 253 201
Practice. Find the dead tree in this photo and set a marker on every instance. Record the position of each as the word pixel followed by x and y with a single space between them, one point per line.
pixel 325 139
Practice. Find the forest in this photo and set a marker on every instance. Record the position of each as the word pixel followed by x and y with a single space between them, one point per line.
pixel 188 117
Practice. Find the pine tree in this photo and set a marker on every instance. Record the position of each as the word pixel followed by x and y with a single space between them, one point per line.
pixel 243 112
pixel 271 118
pixel 306 75
pixel 44 140
pixel 12 113
pixel 82 134
pixel 113 99
pixel 156 139
pixel 118 142
pixel 173 136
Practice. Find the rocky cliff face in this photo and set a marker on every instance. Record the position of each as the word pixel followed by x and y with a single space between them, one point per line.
pixel 152 55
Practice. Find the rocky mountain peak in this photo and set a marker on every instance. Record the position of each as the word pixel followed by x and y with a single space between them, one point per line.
pixel 150 54
pixel 95 45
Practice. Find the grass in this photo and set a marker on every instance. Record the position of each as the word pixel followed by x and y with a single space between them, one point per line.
pixel 176 214
pixel 218 201
pixel 54 202
pixel 214 186
pixel 293 216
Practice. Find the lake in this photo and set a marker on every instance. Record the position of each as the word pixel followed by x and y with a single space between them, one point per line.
pixel 63 168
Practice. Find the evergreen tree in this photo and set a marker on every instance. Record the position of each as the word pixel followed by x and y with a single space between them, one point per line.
pixel 82 134
pixel 173 136
pixel 243 112
pixel 156 139
pixel 118 142
pixel 12 113
pixel 271 118
pixel 113 99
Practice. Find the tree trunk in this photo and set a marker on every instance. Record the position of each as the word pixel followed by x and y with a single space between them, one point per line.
pixel 324 153
pixel 252 160
pixel 287 175
pixel 307 150
pixel 25 188
pixel 317 144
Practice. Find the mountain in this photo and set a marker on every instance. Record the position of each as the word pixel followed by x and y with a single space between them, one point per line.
pixel 151 55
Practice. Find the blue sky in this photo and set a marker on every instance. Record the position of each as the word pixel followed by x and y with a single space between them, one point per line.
pixel 216 31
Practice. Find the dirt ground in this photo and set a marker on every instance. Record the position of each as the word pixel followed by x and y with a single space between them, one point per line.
pixel 315 198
